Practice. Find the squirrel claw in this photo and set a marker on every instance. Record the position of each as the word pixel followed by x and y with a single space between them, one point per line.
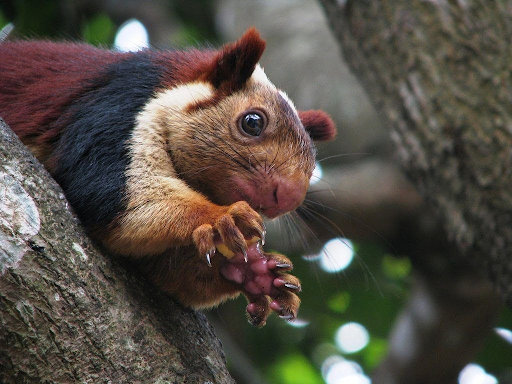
pixel 292 287
pixel 261 234
pixel 208 256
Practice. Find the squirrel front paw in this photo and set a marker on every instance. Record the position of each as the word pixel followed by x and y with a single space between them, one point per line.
pixel 265 283
pixel 230 229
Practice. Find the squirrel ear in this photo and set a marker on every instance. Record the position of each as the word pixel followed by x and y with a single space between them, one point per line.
pixel 318 124
pixel 235 62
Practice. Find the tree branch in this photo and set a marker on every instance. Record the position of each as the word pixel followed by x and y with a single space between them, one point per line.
pixel 435 71
pixel 68 313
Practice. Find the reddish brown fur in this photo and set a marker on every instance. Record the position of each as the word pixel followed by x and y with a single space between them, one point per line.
pixel 49 78
pixel 227 69
pixel 198 287
pixel 318 124
pixel 235 63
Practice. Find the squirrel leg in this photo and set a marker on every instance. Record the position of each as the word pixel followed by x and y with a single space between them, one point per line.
pixel 167 214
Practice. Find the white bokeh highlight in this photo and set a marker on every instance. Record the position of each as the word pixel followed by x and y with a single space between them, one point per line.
pixel 336 255
pixel 131 36
pixel 297 323
pixel 337 370
pixel 504 333
pixel 317 174
pixel 475 374
pixel 351 337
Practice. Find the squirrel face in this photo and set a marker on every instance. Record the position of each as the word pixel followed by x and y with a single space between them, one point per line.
pixel 250 145
pixel 233 135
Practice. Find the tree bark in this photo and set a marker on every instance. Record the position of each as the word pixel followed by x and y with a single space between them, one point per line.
pixel 439 73
pixel 70 313
pixel 440 330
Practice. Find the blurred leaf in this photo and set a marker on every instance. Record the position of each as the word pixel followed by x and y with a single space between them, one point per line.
pixel 3 20
pixel 396 268
pixel 339 302
pixel 199 18
pixel 99 30
pixel 295 369
pixel 187 36
pixel 374 352
pixel 496 355
pixel 328 325
pixel 37 18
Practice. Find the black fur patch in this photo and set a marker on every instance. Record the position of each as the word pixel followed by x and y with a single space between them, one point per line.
pixel 92 154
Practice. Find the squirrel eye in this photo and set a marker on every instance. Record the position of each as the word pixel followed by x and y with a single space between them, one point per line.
pixel 253 123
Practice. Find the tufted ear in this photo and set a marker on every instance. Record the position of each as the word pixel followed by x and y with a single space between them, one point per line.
pixel 318 124
pixel 235 62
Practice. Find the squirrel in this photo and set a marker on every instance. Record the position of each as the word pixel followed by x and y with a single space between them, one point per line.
pixel 171 158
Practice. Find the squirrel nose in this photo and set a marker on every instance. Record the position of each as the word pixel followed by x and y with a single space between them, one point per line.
pixel 284 196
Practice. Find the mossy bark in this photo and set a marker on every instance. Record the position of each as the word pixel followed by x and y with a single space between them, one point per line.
pixel 71 314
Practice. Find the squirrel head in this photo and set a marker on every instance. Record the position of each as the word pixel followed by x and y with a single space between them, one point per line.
pixel 233 135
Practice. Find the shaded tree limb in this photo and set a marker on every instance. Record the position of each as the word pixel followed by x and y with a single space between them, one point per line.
pixel 440 330
pixel 68 313
pixel 436 72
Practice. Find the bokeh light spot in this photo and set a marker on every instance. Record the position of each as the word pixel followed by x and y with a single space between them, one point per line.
pixel 337 370
pixel 504 333
pixel 475 374
pixel 352 337
pixel 317 174
pixel 131 36
pixel 298 323
pixel 336 255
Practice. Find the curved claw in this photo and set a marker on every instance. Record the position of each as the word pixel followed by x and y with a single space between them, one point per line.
pixel 246 258
pixel 292 286
pixel 261 234
pixel 288 316
pixel 209 255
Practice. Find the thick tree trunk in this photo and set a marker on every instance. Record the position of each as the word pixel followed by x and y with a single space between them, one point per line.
pixel 439 72
pixel 68 313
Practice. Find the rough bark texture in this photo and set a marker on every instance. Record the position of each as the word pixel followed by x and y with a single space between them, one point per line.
pixel 439 71
pixel 68 313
